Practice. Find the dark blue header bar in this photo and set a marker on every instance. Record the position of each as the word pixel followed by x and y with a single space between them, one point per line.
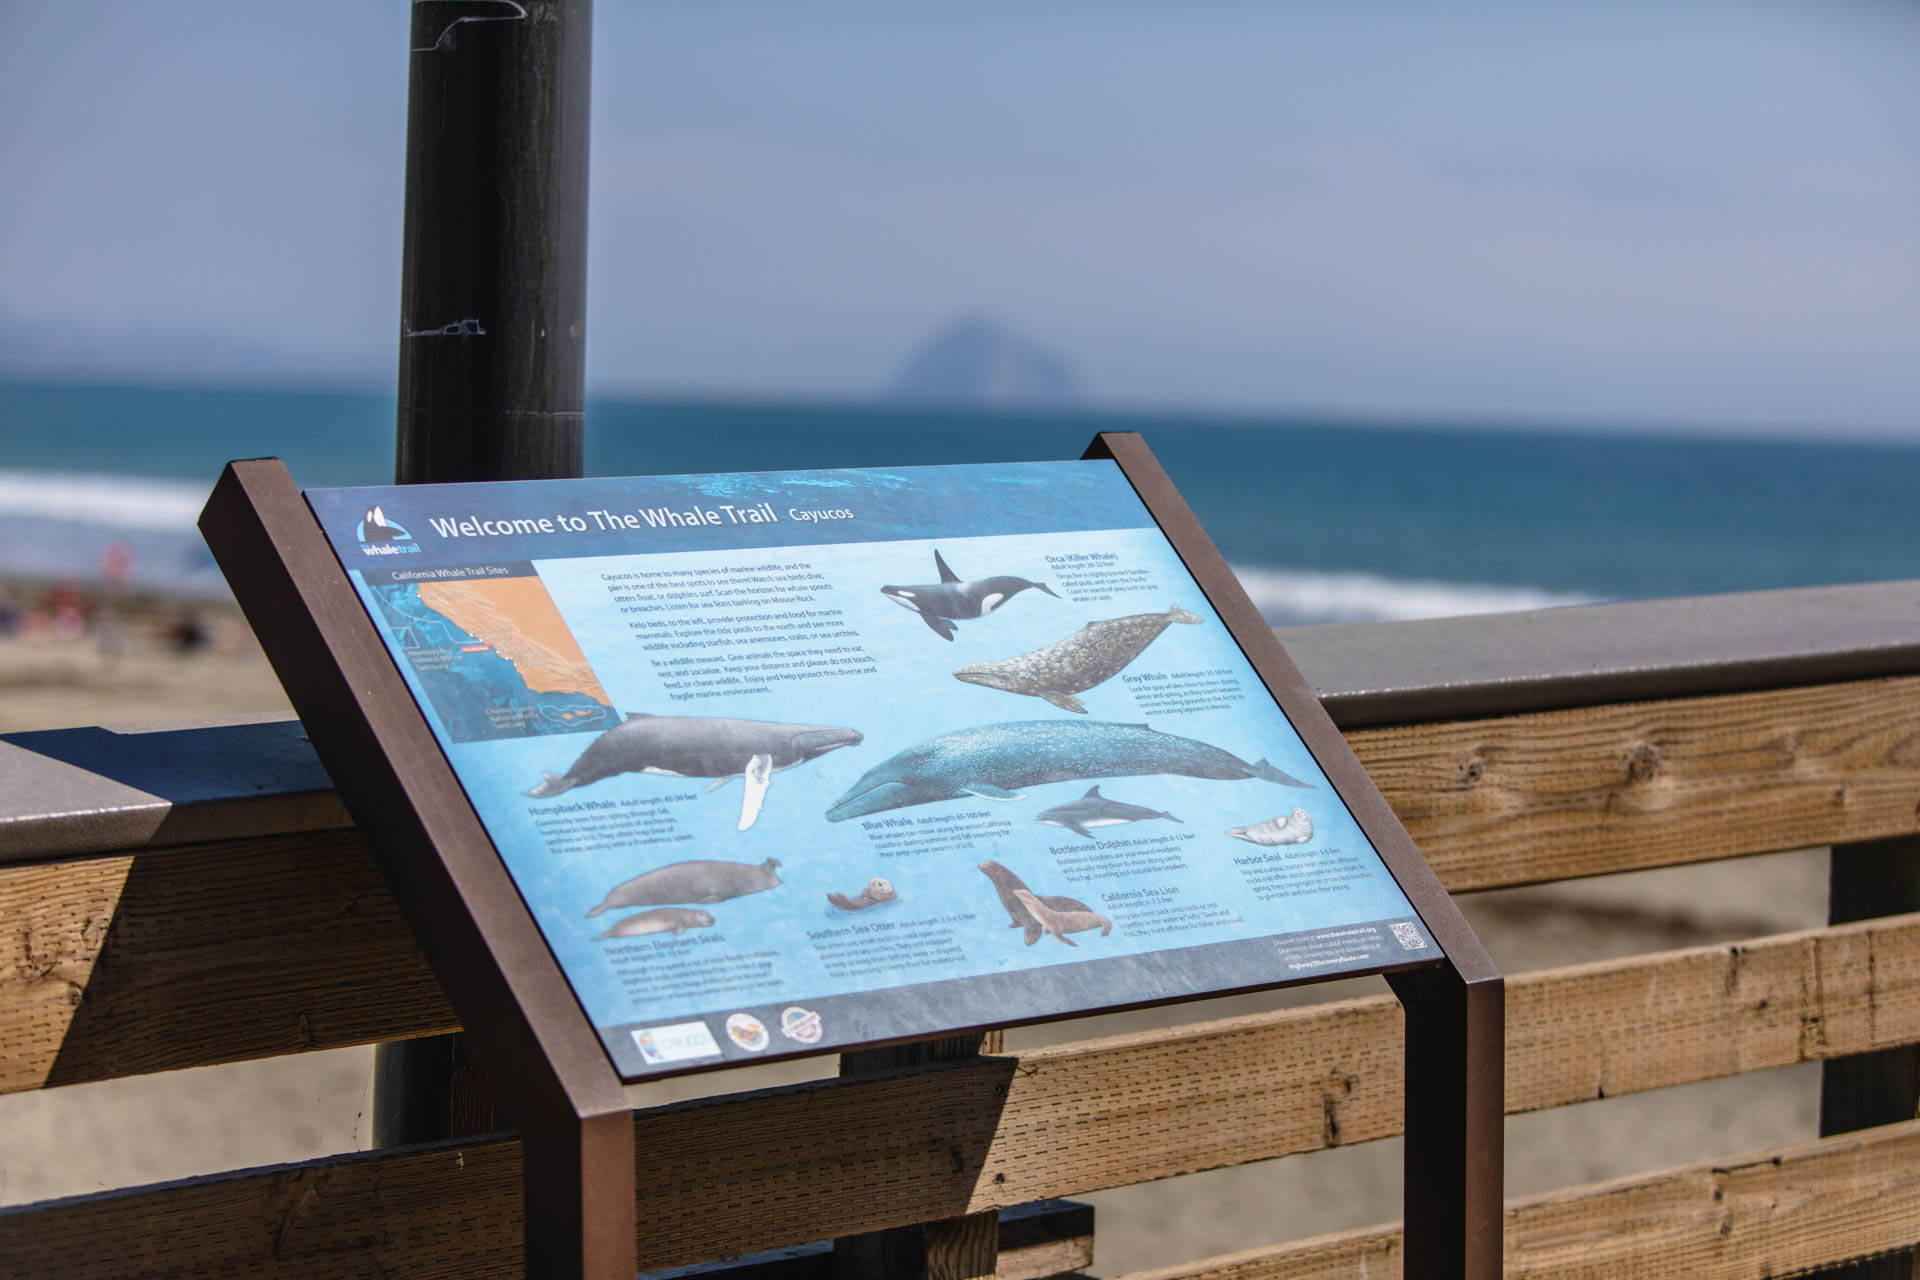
pixel 404 527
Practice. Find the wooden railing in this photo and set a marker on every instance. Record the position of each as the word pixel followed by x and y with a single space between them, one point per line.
pixel 195 897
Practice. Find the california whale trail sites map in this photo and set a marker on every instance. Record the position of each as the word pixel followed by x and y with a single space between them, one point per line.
pixel 492 653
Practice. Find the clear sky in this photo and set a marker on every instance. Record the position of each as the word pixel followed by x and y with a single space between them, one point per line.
pixel 1691 214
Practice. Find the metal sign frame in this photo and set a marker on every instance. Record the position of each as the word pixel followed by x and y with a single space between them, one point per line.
pixel 541 1051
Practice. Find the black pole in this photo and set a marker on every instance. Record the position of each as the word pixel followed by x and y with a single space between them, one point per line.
pixel 493 317
pixel 493 302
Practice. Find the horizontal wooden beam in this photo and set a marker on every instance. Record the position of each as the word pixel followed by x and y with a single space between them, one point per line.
pixel 729 1175
pixel 1555 795
pixel 192 955
pixel 1768 1213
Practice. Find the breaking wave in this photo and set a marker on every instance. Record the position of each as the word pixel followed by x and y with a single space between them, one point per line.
pixel 1289 597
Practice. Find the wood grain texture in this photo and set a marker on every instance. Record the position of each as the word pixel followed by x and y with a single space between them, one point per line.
pixel 193 955
pixel 728 1175
pixel 127 964
pixel 1553 795
pixel 1752 1217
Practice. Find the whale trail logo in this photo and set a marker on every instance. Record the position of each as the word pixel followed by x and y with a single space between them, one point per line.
pixel 380 536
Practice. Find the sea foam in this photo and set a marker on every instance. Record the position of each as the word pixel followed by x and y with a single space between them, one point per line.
pixel 1288 597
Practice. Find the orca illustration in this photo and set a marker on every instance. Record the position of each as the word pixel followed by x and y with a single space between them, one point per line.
pixel 940 603
pixel 374 527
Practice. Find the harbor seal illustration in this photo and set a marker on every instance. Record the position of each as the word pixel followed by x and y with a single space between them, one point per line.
pixel 1009 886
pixel 699 881
pixel 940 603
pixel 674 920
pixel 699 747
pixel 1095 810
pixel 1090 656
pixel 879 889
pixel 1061 923
pixel 1292 828
pixel 993 761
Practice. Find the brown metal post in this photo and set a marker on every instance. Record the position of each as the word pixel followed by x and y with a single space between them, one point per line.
pixel 963 1248
pixel 1872 878
pixel 492 339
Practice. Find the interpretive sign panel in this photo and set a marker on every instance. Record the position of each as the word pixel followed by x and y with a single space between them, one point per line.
pixel 794 761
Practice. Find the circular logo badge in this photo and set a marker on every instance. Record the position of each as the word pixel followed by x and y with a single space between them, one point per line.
pixel 747 1031
pixel 800 1024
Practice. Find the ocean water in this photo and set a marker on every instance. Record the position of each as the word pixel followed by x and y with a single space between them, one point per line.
pixel 1324 520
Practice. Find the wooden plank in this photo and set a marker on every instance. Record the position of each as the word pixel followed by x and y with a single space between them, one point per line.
pixel 728 1175
pixel 194 955
pixel 120 965
pixel 1769 1213
pixel 1553 795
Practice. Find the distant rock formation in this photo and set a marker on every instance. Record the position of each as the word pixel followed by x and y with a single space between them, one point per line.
pixel 975 360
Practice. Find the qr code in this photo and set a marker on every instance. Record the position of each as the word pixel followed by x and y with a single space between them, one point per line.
pixel 1408 936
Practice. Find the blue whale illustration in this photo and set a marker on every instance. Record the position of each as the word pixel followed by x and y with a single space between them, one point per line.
pixel 994 761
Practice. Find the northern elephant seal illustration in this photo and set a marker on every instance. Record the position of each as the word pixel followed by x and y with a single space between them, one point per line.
pixel 698 881
pixel 1061 923
pixel 675 920
pixel 1093 654
pixel 940 603
pixel 700 747
pixel 1010 886
pixel 992 761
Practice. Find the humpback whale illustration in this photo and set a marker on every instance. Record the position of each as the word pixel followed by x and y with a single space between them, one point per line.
pixel 939 603
pixel 1094 653
pixel 994 761
pixel 699 747
pixel 1095 810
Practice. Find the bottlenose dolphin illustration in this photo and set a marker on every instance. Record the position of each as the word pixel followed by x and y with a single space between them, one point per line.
pixel 994 761
pixel 1095 810
pixel 939 603
pixel 699 747
pixel 1094 653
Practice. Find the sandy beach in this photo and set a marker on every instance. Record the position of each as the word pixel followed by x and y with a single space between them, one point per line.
pixel 93 1137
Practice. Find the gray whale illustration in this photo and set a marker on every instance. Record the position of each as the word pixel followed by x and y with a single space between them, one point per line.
pixel 1095 810
pixel 1091 655
pixel 939 603
pixel 1010 886
pixel 699 747
pixel 674 920
pixel 692 882
pixel 993 761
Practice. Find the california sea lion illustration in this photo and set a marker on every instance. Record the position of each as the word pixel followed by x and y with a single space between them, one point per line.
pixel 660 920
pixel 692 882
pixel 1095 810
pixel 1061 923
pixel 1292 828
pixel 879 889
pixel 992 761
pixel 699 747
pixel 1091 655
pixel 1009 886
pixel 939 603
